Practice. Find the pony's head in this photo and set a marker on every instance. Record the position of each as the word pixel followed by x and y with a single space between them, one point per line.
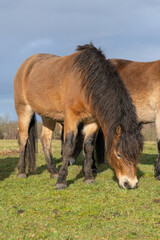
pixel 123 163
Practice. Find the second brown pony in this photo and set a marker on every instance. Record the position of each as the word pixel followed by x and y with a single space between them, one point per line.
pixel 142 79
pixel 82 87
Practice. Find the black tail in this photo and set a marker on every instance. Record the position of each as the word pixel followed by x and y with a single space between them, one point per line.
pixel 31 146
pixel 100 147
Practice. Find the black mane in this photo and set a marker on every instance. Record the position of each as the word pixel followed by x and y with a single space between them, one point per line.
pixel 110 100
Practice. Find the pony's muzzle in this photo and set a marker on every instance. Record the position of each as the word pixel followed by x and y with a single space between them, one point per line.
pixel 127 183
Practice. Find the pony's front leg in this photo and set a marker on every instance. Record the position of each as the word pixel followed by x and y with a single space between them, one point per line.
pixel 90 131
pixel 70 132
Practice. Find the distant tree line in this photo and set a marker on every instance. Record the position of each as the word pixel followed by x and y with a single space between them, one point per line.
pixel 9 130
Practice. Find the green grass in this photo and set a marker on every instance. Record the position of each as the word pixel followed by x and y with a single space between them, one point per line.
pixel 32 209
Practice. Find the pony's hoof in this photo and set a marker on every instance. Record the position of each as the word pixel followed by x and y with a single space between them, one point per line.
pixel 60 186
pixel 22 175
pixel 54 175
pixel 89 181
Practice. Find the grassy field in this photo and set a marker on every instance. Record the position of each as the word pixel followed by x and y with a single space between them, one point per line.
pixel 32 209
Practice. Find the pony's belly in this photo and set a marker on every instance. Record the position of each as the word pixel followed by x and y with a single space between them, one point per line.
pixel 52 113
pixel 46 107
pixel 58 116
pixel 146 115
pixel 145 108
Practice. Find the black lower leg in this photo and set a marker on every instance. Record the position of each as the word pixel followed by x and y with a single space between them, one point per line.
pixel 157 165
pixel 94 168
pixel 88 150
pixel 79 142
pixel 62 135
pixel 68 148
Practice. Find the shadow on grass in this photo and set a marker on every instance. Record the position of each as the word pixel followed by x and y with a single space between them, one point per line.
pixel 146 159
pixel 43 167
pixel 7 166
pixel 79 176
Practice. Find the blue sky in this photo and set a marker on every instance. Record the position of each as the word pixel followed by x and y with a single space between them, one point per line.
pixel 122 28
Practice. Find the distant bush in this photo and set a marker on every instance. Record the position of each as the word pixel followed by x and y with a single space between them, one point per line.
pixel 149 132
pixel 9 130
pixel 56 133
pixel 1 135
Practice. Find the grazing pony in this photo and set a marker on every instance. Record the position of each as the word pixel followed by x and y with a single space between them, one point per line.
pixel 82 87
pixel 142 79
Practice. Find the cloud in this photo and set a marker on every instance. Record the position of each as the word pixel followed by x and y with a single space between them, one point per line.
pixel 122 28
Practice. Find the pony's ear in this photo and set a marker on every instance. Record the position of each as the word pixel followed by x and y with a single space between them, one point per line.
pixel 118 131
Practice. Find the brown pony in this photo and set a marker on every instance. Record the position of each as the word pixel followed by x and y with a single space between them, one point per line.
pixel 82 87
pixel 142 79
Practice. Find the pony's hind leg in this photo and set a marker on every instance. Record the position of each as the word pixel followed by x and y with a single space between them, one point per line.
pixel 89 131
pixel 25 115
pixel 46 138
pixel 157 165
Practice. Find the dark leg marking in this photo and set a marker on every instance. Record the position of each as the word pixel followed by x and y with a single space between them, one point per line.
pixel 157 165
pixel 78 144
pixel 68 148
pixel 88 150
pixel 62 135
pixel 93 166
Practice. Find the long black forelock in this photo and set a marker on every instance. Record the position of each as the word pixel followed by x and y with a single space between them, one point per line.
pixel 109 98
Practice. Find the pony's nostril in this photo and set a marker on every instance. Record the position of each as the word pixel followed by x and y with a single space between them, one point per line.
pixel 127 185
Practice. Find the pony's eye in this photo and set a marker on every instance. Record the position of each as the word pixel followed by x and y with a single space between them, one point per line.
pixel 118 155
